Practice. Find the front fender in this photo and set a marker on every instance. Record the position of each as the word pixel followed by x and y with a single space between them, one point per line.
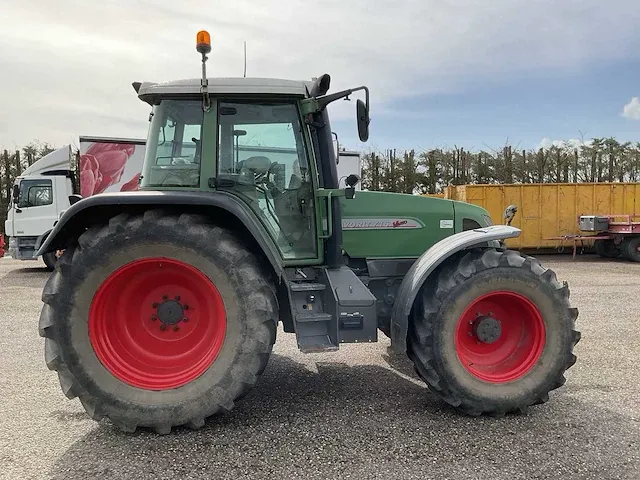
pixel 98 208
pixel 426 264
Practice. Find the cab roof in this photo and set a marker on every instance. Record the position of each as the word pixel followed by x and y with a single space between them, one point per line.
pixel 149 91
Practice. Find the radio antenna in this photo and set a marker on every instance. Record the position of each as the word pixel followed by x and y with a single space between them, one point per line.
pixel 245 58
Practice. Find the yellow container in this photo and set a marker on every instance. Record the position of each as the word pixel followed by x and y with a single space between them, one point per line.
pixel 549 209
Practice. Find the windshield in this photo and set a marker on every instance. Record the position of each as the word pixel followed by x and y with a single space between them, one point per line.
pixel 173 152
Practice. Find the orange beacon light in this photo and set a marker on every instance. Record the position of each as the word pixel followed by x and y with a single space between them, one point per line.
pixel 203 42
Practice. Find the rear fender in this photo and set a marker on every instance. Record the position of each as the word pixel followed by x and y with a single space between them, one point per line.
pixel 99 208
pixel 427 264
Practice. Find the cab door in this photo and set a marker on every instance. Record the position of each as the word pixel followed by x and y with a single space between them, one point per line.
pixel 35 211
pixel 263 158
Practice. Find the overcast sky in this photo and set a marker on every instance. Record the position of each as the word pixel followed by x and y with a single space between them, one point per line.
pixel 465 72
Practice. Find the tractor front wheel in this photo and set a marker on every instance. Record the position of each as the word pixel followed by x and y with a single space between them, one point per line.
pixel 494 333
pixel 158 320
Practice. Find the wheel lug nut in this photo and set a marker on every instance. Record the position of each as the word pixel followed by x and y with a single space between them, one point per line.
pixel 163 327
pixel 176 328
pixel 186 307
pixel 154 305
pixel 185 319
pixel 164 297
pixel 177 298
pixel 153 318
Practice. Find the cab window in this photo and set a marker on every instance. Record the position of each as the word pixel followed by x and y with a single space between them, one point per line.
pixel 35 193
pixel 173 151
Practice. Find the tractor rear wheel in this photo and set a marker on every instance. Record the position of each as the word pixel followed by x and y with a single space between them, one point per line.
pixel 607 249
pixel 493 333
pixel 158 320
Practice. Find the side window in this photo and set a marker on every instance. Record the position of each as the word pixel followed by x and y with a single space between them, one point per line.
pixel 35 193
pixel 173 151
pixel 263 156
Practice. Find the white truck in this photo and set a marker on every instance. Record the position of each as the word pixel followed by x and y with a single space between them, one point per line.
pixel 48 187
pixel 348 163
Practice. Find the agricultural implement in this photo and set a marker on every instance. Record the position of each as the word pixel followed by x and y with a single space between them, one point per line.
pixel 163 309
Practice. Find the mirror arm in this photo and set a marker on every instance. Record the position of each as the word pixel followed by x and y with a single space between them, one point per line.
pixel 325 100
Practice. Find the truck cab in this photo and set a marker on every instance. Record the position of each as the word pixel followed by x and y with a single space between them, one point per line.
pixel 39 196
pixel 44 190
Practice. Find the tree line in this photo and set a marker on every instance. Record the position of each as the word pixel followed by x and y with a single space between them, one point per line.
pixel 598 160
pixel 12 164
pixel 430 171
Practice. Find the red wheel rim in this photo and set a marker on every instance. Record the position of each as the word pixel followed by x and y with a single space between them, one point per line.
pixel 505 353
pixel 157 323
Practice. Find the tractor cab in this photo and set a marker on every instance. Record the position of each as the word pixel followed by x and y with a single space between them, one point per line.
pixel 266 141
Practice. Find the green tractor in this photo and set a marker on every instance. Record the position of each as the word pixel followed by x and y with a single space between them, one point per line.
pixel 164 307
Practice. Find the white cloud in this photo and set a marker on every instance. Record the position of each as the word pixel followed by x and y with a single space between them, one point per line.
pixel 632 109
pixel 572 143
pixel 73 76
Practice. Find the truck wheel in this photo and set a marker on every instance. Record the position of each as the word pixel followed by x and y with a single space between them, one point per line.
pixel 607 248
pixel 631 247
pixel 158 321
pixel 493 332
pixel 50 260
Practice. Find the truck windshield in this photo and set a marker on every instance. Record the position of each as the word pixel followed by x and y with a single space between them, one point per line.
pixel 172 158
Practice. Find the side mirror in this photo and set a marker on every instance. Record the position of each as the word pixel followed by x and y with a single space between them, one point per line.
pixel 362 113
pixel 337 147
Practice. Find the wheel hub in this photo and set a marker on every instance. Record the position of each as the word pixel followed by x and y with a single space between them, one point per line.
pixel 487 329
pixel 170 312
pixel 500 336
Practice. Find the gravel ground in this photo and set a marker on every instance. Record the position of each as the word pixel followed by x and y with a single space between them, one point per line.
pixel 357 413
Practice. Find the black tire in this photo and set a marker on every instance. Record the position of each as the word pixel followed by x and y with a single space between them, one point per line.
pixel 607 249
pixel 459 282
pixel 50 260
pixel 631 248
pixel 250 307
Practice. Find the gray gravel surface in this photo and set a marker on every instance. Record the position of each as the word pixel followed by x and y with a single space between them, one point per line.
pixel 357 413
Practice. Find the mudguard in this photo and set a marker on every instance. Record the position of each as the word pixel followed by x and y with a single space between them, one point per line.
pixel 90 210
pixel 426 264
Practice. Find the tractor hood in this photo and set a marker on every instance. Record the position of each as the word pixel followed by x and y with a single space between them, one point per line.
pixel 383 225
